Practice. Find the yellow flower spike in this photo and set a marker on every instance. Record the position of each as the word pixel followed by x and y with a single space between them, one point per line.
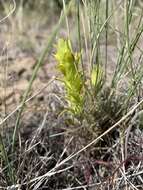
pixel 68 65
pixel 77 57
pixel 96 75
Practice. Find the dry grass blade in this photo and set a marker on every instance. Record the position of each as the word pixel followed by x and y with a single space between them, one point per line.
pixel 50 173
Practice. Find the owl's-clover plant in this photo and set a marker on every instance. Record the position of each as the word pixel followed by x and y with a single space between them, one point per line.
pixel 68 65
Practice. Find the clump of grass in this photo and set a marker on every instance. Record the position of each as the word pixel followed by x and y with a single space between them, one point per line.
pixel 104 106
